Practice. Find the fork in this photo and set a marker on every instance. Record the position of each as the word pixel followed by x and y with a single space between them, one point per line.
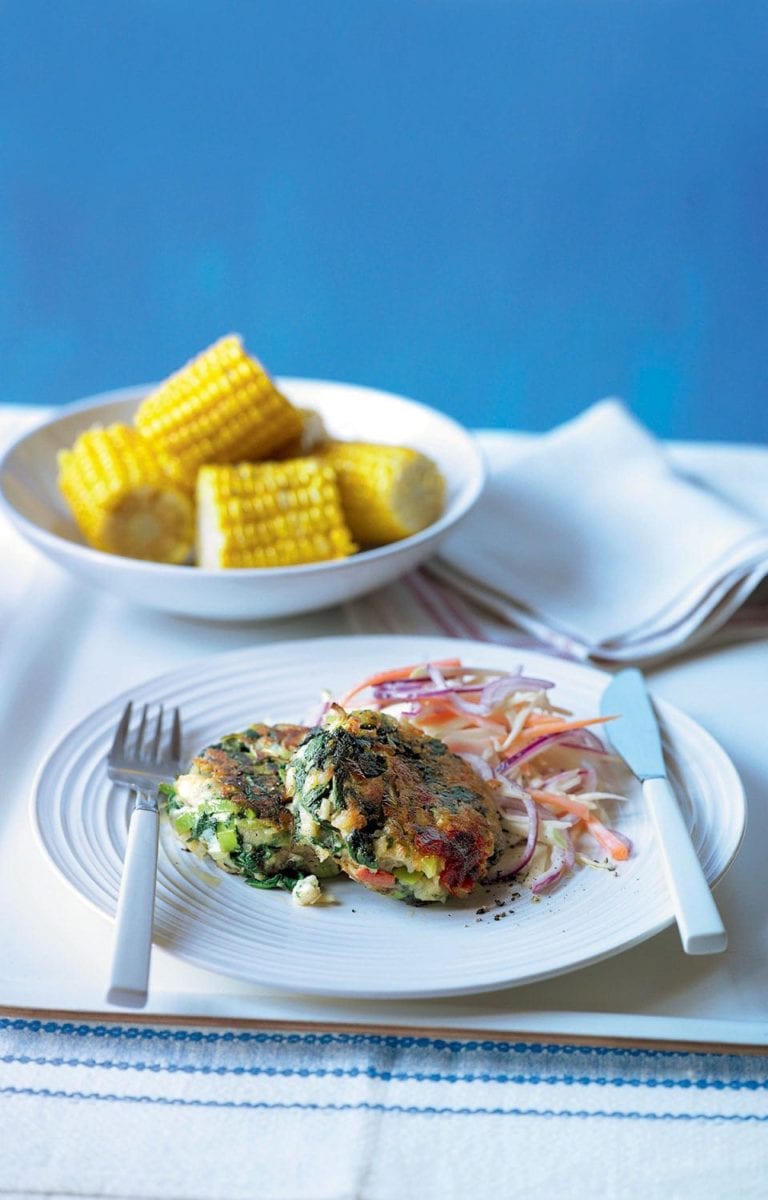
pixel 140 762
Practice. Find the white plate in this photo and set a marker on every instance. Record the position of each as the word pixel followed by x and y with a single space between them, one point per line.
pixel 31 498
pixel 366 945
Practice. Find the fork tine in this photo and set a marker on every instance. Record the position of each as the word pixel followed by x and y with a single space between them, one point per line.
pixel 139 743
pixel 176 736
pixel 154 752
pixel 121 733
pixel 146 747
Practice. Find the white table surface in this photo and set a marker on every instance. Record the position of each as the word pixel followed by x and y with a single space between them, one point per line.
pixel 65 649
pixel 643 1076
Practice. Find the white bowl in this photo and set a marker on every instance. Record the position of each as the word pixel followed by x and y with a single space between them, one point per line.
pixel 30 496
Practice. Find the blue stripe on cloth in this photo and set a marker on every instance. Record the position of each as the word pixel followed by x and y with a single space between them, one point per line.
pixel 390 1041
pixel 371 1072
pixel 364 1106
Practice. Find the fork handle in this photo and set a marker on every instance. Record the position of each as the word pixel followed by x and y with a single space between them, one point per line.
pixel 135 912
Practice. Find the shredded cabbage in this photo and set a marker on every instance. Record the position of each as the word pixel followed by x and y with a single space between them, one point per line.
pixel 544 766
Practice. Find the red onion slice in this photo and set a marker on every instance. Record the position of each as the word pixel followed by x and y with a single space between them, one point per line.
pixel 563 860
pixel 526 853
pixel 585 739
pixel 498 690
pixel 520 756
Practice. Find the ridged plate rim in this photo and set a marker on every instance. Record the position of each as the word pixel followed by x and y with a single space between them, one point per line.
pixel 367 946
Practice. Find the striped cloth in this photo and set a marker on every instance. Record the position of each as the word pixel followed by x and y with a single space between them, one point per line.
pixel 127 1110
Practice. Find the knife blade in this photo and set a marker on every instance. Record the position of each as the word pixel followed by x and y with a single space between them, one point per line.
pixel 636 737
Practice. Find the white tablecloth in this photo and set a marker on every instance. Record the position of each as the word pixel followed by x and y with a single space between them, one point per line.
pixel 116 1106
pixel 117 1109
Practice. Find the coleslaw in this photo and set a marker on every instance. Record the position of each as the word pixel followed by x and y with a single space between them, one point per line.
pixel 544 764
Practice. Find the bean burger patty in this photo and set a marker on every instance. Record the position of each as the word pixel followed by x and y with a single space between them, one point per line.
pixel 232 807
pixel 394 808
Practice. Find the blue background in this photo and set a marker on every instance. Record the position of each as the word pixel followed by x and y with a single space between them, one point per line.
pixel 505 209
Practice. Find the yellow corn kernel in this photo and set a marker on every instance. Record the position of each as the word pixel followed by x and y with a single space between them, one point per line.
pixel 122 500
pixel 272 514
pixel 387 492
pixel 222 407
pixel 311 437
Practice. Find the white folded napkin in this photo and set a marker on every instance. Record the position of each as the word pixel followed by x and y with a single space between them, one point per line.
pixel 593 540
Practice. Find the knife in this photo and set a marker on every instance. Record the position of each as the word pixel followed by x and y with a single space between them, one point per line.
pixel 635 736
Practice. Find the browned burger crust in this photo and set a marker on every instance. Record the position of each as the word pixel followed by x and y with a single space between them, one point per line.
pixel 248 769
pixel 396 809
pixel 232 807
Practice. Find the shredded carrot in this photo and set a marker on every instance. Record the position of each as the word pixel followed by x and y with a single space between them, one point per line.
pixel 542 727
pixel 486 738
pixel 437 712
pixel 440 710
pixel 394 675
pixel 540 718
pixel 563 803
pixel 607 839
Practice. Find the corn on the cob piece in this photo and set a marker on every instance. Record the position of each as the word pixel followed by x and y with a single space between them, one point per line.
pixel 221 407
pixel 122 500
pixel 387 492
pixel 312 436
pixel 272 514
